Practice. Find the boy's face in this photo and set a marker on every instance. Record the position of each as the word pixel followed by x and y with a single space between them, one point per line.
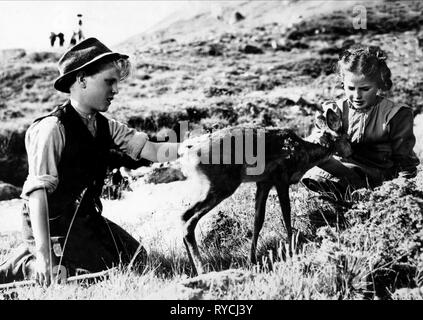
pixel 361 92
pixel 101 88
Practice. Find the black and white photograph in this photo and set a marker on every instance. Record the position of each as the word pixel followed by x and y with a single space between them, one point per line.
pixel 211 155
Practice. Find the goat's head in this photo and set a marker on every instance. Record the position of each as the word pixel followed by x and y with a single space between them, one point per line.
pixel 330 125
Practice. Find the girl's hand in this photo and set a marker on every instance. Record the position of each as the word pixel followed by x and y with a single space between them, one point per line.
pixel 318 136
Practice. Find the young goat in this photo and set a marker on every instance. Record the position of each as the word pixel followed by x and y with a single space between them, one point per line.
pixel 282 158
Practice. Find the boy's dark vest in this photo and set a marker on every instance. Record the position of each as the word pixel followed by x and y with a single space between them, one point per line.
pixel 81 169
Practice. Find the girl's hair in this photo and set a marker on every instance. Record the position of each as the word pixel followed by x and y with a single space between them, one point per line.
pixel 369 61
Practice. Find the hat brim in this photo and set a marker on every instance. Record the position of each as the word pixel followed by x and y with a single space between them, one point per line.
pixel 62 83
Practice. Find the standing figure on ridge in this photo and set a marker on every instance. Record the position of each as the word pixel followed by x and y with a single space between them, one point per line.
pixel 52 38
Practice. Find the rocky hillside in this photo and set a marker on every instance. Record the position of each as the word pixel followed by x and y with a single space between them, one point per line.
pixel 268 63
pixel 208 19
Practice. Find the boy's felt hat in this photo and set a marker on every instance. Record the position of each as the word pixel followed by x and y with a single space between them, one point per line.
pixel 79 56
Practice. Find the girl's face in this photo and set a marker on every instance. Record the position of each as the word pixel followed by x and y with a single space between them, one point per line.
pixel 101 89
pixel 361 92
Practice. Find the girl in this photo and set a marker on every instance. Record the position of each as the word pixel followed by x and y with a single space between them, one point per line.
pixel 380 131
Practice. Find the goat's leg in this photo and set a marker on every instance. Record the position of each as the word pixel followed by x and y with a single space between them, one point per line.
pixel 284 201
pixel 263 189
pixel 190 219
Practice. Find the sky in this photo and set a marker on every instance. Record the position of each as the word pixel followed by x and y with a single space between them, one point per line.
pixel 28 24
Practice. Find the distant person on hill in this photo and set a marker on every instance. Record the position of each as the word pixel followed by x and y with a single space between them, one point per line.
pixel 380 130
pixel 73 39
pixel 61 37
pixel 80 35
pixel 52 38
pixel 67 160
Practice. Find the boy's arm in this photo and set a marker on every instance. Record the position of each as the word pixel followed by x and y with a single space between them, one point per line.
pixel 160 152
pixel 136 144
pixel 44 142
pixel 38 211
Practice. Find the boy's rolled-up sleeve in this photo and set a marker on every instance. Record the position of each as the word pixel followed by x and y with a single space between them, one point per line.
pixel 128 140
pixel 44 142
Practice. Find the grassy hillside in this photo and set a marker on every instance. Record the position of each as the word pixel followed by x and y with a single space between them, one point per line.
pixel 266 74
pixel 370 247
pixel 265 71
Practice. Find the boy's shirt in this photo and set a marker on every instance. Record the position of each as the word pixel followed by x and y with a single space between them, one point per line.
pixel 45 141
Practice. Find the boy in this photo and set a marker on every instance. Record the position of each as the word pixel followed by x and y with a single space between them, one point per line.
pixel 67 161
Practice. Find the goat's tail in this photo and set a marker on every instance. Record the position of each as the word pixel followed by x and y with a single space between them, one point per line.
pixel 165 173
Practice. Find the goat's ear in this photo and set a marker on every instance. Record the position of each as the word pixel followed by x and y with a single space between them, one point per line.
pixel 320 121
pixel 333 120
